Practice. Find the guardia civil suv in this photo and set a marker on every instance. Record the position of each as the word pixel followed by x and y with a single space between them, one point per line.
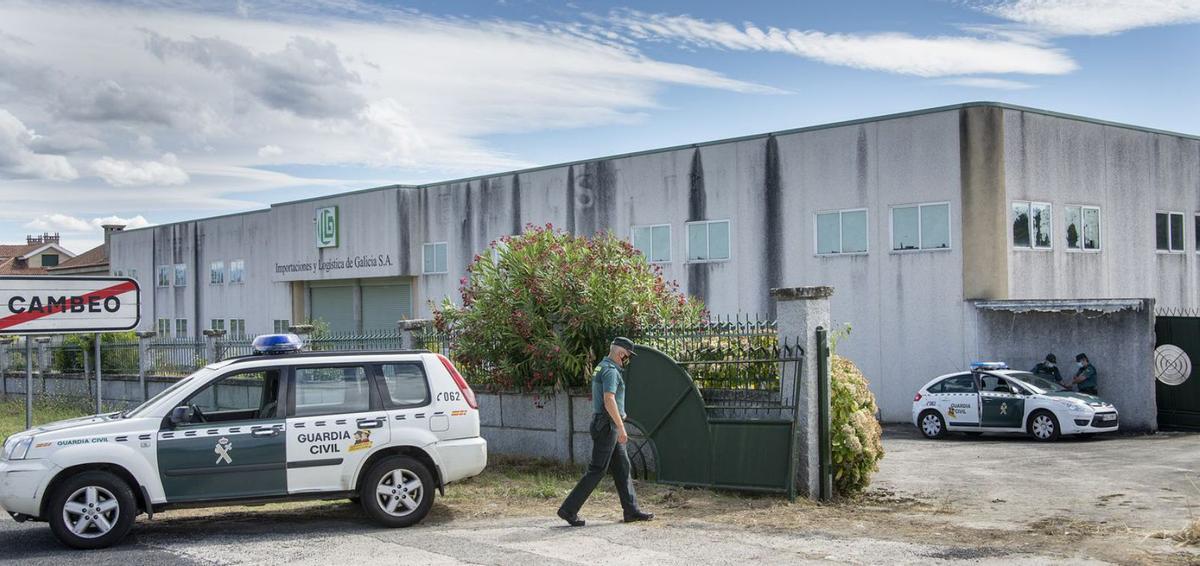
pixel 384 428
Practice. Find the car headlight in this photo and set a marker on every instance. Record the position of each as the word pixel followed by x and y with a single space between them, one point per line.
pixel 17 448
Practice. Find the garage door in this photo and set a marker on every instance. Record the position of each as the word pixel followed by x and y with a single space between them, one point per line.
pixel 334 305
pixel 384 305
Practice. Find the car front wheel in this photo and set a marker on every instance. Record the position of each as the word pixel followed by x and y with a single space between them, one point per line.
pixel 92 509
pixel 397 492
pixel 1043 426
pixel 932 425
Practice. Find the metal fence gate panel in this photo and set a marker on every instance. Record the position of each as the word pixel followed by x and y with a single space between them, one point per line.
pixel 1178 405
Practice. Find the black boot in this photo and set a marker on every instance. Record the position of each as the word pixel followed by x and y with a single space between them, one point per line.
pixel 572 520
pixel 638 516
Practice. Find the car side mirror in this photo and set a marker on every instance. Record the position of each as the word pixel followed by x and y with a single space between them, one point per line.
pixel 181 415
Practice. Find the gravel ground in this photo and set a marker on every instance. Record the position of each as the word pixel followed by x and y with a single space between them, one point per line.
pixel 989 500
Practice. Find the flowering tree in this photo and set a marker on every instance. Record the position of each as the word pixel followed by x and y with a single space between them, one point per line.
pixel 539 310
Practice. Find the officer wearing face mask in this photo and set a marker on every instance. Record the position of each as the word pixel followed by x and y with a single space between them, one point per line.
pixel 1085 376
pixel 1048 369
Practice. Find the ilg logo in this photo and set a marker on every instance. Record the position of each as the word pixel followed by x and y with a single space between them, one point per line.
pixel 327 227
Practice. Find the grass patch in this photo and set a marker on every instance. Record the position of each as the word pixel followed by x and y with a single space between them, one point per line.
pixel 12 412
pixel 1187 536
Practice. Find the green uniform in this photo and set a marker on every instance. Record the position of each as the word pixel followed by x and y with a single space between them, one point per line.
pixel 607 379
pixel 1089 374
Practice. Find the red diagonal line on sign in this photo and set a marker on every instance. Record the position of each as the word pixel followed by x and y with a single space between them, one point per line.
pixel 20 318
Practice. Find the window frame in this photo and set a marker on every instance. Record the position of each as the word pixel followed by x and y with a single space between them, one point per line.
pixel 425 258
pixel 165 276
pixel 1099 229
pixel 1033 247
pixel 374 398
pixel 841 232
pixel 1183 238
pixel 163 328
pixel 920 221
pixel 241 333
pixel 241 271
pixel 651 227
pixel 184 322
pixel 280 329
pixel 688 252
pixel 216 270
pixel 180 270
pixel 385 394
pixel 280 397
pixel 217 324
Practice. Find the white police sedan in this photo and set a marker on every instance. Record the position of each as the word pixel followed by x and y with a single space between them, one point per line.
pixel 993 398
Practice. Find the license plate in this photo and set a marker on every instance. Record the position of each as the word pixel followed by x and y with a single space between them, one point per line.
pixel 1108 417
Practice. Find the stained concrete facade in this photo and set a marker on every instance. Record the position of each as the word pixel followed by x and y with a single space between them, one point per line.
pixel 910 310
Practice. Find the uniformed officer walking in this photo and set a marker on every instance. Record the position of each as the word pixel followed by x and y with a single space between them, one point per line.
pixel 608 439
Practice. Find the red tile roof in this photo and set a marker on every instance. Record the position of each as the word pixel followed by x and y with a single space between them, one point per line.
pixel 95 256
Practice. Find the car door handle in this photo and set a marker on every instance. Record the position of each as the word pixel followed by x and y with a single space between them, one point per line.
pixel 263 432
pixel 370 423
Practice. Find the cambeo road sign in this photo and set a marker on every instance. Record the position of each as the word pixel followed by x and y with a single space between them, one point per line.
pixel 56 305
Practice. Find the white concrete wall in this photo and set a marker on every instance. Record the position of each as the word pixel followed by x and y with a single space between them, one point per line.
pixel 1130 175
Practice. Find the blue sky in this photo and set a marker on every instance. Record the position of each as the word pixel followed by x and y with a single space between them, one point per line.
pixel 161 110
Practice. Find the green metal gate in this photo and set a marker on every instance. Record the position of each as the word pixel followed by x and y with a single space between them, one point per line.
pixel 1177 390
pixel 741 436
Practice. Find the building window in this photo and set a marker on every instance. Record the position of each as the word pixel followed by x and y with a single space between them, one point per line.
pixel 237 328
pixel 281 326
pixel 216 273
pixel 217 324
pixel 132 273
pixel 164 328
pixel 654 242
pixel 118 273
pixel 1169 231
pixel 921 227
pixel 708 240
pixel 49 260
pixel 237 271
pixel 841 232
pixel 181 328
pixel 435 258
pixel 181 275
pixel 1083 228
pixel 164 276
pixel 1031 222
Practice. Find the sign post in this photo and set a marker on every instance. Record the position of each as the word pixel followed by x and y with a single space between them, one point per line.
pixel 41 305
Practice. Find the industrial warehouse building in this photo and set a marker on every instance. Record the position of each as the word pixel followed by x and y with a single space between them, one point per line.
pixel 911 218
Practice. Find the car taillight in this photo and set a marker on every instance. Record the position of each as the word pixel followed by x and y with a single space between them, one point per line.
pixel 460 382
pixel 917 397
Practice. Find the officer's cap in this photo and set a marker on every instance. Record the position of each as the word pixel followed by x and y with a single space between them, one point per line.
pixel 625 343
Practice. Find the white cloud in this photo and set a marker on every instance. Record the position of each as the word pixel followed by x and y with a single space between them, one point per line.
pixel 18 159
pixel 119 173
pixel 270 151
pixel 935 56
pixel 64 223
pixel 1096 17
pixel 988 83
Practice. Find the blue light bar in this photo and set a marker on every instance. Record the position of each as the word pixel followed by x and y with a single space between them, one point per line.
pixel 985 366
pixel 277 344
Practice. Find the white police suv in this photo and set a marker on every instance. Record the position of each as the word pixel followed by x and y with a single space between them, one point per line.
pixel 386 428
pixel 993 398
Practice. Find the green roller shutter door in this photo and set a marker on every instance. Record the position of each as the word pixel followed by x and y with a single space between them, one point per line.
pixel 334 305
pixel 384 305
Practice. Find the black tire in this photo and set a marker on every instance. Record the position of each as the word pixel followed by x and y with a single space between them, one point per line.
pixel 1043 426
pixel 376 504
pixel 79 490
pixel 931 424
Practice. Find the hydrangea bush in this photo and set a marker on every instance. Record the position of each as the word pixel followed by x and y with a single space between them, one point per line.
pixel 538 310
pixel 857 436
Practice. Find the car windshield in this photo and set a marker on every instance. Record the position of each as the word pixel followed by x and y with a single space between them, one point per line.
pixel 200 374
pixel 1037 383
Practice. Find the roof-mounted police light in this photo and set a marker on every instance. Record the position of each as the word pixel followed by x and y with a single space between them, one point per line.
pixel 277 344
pixel 988 366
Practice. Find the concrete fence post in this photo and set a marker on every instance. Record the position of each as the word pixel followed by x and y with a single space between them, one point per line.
pixel 211 336
pixel 800 311
pixel 43 357
pixel 411 331
pixel 143 360
pixel 5 341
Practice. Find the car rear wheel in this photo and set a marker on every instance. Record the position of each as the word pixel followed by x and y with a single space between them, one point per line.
pixel 92 509
pixel 932 425
pixel 397 492
pixel 1043 426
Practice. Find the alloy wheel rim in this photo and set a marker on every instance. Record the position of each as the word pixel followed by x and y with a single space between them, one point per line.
pixel 931 425
pixel 399 492
pixel 91 512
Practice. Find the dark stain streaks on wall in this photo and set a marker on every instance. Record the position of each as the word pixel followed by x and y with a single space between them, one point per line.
pixel 594 199
pixel 697 284
pixel 772 251
pixel 570 210
pixel 515 199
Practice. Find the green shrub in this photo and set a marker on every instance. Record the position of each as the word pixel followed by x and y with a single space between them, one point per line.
pixel 857 436
pixel 118 353
pixel 539 310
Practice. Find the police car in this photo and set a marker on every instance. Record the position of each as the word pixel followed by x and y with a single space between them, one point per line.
pixel 386 428
pixel 993 398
